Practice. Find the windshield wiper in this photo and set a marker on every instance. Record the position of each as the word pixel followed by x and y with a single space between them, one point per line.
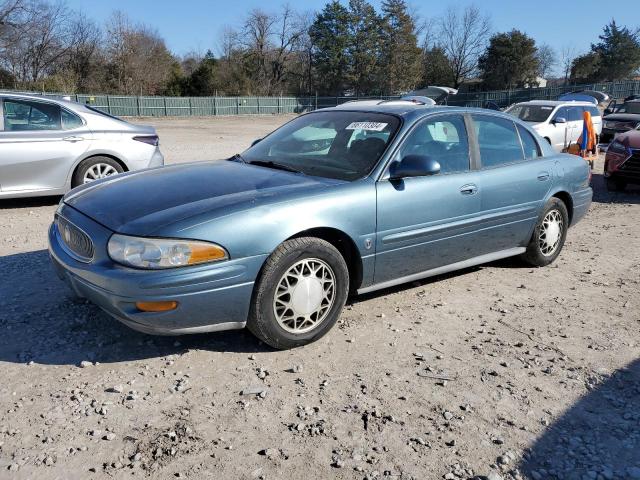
pixel 275 165
pixel 238 158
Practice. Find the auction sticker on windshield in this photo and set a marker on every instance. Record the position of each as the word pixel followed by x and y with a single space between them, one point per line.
pixel 374 126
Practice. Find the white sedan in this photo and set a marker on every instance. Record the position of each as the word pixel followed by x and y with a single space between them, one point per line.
pixel 49 146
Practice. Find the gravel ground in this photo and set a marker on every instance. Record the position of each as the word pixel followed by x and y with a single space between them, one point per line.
pixel 500 371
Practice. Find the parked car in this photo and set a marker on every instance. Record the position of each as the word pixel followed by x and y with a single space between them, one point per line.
pixel 49 146
pixel 274 239
pixel 589 96
pixel 559 123
pixel 622 161
pixel 626 118
pixel 439 95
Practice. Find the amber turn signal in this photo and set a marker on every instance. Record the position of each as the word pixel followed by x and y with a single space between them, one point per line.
pixel 201 253
pixel 164 306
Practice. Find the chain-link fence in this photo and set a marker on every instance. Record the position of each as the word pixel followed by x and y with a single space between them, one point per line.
pixel 148 106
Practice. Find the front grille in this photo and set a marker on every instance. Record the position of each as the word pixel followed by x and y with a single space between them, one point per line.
pixel 78 243
pixel 631 167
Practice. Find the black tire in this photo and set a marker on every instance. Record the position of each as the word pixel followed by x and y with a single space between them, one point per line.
pixel 85 165
pixel 614 185
pixel 262 320
pixel 535 255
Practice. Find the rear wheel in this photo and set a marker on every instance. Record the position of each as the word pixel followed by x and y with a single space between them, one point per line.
pixel 614 185
pixel 300 293
pixel 549 235
pixel 95 168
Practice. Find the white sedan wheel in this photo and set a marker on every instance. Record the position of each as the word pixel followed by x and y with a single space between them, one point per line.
pixel 97 171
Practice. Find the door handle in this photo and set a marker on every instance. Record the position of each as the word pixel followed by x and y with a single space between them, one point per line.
pixel 543 176
pixel 469 189
pixel 73 138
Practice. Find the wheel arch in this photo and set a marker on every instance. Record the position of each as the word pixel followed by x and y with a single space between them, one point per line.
pixel 345 245
pixel 73 171
pixel 566 198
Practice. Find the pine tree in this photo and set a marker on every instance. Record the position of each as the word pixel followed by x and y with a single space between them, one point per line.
pixel 364 46
pixel 509 61
pixel 400 62
pixel 329 35
pixel 618 52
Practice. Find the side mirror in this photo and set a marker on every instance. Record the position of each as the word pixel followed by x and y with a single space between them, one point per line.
pixel 560 120
pixel 257 140
pixel 414 166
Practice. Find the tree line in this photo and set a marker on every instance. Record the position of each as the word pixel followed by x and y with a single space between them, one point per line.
pixel 347 48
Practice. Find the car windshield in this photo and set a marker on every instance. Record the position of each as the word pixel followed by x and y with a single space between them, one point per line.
pixel 335 144
pixel 531 113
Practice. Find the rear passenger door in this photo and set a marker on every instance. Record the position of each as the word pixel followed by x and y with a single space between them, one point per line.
pixel 514 180
pixel 39 143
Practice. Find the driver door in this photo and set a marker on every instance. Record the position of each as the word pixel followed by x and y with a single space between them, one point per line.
pixel 428 222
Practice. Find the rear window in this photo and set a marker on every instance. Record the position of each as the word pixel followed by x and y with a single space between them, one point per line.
pixel 27 115
pixel 498 141
pixel 594 111
pixel 70 120
pixel 529 144
pixel 531 113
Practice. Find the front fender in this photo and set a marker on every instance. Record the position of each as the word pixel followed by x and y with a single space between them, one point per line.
pixel 349 208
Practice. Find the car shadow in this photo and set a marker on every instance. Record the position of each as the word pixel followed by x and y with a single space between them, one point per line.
pixel 29 202
pixel 42 321
pixel 596 438
pixel 630 195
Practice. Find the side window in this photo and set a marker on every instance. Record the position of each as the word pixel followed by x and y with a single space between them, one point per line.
pixel 20 115
pixel 498 141
pixel 575 114
pixel 563 112
pixel 443 138
pixel 594 111
pixel 529 144
pixel 70 120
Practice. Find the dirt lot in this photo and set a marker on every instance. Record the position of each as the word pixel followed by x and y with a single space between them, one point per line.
pixel 495 372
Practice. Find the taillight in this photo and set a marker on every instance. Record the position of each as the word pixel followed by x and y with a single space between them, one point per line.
pixel 148 139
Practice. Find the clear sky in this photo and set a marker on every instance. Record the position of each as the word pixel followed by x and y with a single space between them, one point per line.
pixel 195 24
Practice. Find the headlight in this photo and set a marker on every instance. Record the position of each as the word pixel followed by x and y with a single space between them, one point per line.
pixel 156 253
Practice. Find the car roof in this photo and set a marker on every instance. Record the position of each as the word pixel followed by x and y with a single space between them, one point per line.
pixel 555 103
pixel 408 109
pixel 40 98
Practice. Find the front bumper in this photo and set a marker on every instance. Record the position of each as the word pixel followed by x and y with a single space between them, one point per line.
pixel 210 297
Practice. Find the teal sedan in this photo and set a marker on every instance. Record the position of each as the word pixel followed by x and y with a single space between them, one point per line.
pixel 337 202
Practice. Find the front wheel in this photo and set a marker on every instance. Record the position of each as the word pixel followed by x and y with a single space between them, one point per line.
pixel 549 235
pixel 300 294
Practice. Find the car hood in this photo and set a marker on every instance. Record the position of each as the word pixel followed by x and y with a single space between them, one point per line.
pixel 143 202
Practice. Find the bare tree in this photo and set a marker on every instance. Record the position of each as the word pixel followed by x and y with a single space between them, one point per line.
pixel 288 36
pixel 463 36
pixel 547 60
pixel 12 20
pixel 256 39
pixel 567 55
pixel 139 59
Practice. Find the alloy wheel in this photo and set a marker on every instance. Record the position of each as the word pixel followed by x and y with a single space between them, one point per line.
pixel 97 171
pixel 304 295
pixel 551 232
